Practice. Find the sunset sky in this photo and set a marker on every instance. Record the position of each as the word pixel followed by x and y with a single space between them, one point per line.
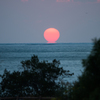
pixel 24 21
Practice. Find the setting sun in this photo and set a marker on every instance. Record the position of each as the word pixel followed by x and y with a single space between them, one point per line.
pixel 51 35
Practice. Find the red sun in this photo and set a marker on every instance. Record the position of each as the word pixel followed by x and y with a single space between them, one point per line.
pixel 51 35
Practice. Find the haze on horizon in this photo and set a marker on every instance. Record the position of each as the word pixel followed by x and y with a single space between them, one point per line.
pixel 24 21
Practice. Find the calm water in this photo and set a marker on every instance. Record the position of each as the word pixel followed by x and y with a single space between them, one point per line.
pixel 69 54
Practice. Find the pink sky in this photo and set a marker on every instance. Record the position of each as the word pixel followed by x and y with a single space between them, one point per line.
pixel 24 21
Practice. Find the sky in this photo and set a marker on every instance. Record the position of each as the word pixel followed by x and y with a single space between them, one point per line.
pixel 24 21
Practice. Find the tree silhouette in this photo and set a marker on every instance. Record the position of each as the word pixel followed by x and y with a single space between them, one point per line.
pixel 37 78
pixel 88 86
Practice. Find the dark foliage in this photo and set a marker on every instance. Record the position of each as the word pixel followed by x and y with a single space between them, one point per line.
pixel 37 79
pixel 88 86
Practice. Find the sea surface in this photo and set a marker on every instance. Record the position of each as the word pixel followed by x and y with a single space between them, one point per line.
pixel 69 54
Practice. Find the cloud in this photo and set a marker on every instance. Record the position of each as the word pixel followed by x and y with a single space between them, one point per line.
pixel 79 1
pixel 62 0
pixel 24 0
pixel 98 0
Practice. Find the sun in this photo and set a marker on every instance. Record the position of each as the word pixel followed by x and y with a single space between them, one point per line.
pixel 51 35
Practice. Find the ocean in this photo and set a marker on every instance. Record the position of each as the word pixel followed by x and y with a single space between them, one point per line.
pixel 70 55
